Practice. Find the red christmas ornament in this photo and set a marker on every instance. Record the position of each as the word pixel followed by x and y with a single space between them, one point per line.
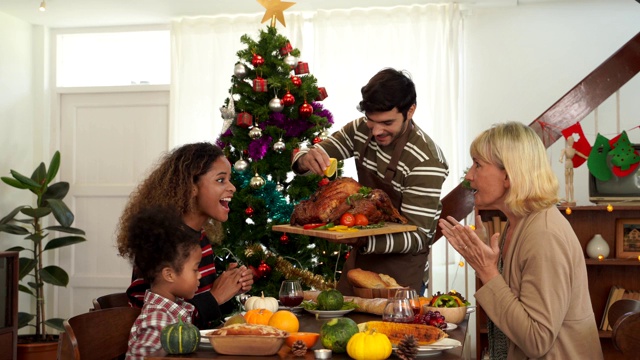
pixel 257 60
pixel 323 182
pixel 244 120
pixel 322 94
pixel 288 99
pixel 286 49
pixel 284 239
pixel 264 269
pixel 316 140
pixel 295 80
pixel 249 211
pixel 347 256
pixel 259 84
pixel 305 110
pixel 301 68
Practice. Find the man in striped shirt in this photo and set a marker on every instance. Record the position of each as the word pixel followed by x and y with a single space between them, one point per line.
pixel 395 155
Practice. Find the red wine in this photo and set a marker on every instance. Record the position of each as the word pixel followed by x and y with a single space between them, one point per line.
pixel 291 301
pixel 416 310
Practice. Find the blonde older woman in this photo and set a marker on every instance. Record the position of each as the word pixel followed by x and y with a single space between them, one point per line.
pixel 535 288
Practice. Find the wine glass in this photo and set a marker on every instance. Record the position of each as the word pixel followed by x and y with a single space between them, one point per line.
pixel 412 296
pixel 397 310
pixel 291 294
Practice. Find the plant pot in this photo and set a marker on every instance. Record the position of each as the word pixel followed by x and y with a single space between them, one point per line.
pixel 38 350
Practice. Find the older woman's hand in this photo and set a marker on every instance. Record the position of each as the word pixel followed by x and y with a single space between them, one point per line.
pixel 233 281
pixel 469 242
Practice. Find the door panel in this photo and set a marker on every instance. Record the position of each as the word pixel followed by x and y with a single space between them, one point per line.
pixel 108 141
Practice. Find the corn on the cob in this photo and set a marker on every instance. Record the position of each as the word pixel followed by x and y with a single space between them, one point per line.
pixel 424 334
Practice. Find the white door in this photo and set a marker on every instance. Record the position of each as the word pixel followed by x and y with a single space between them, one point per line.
pixel 108 141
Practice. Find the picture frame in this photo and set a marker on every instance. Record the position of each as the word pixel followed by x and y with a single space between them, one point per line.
pixel 627 238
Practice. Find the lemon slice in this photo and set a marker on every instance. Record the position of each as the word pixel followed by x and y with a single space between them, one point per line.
pixel 331 169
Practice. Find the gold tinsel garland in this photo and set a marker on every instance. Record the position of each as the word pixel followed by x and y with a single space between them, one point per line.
pixel 289 271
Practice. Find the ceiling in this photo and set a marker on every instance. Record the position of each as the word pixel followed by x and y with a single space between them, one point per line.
pixel 92 13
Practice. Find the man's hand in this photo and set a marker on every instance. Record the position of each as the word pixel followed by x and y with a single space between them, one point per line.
pixel 231 282
pixel 315 160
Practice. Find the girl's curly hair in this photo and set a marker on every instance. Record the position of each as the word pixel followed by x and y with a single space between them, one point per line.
pixel 170 184
pixel 158 238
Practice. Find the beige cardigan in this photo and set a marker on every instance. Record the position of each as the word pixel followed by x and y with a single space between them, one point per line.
pixel 541 302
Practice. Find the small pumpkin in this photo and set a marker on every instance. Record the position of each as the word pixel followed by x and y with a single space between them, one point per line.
pixel 180 338
pixel 369 345
pixel 258 316
pixel 261 302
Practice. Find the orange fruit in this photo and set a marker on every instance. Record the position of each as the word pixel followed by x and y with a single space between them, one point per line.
pixel 285 320
pixel 308 338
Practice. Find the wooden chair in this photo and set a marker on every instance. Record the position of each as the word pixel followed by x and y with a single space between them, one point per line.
pixel 100 334
pixel 110 301
pixel 625 316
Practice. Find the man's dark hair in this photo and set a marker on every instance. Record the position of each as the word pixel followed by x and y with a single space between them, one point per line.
pixel 388 89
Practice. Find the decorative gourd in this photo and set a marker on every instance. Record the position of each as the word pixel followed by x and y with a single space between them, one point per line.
pixel 369 345
pixel 261 302
pixel 258 316
pixel 331 299
pixel 180 338
pixel 336 333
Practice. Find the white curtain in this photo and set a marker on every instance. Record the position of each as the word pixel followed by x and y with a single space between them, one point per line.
pixel 203 54
pixel 344 48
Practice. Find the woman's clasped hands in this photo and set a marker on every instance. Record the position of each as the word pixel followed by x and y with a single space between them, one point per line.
pixel 233 281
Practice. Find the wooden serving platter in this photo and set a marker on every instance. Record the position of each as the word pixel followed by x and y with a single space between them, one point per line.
pixel 388 228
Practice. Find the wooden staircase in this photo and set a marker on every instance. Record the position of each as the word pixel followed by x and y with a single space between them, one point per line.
pixel 574 106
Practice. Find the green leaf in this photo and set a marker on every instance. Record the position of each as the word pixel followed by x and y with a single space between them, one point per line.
pixel 55 323
pixel 16 248
pixel 13 182
pixel 26 181
pixel 11 215
pixel 63 241
pixel 13 229
pixel 65 229
pixel 54 165
pixel 35 285
pixel 26 266
pixel 54 275
pixel 25 289
pixel 61 212
pixel 56 191
pixel 39 174
pixel 39 212
pixel 24 319
pixel 36 237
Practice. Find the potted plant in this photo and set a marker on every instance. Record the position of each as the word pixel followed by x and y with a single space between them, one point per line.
pixel 35 225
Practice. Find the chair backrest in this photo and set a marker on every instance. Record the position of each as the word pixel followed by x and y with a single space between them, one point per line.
pixel 100 334
pixel 110 301
pixel 625 316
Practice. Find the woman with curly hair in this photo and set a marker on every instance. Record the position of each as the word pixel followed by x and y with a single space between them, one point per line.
pixel 195 180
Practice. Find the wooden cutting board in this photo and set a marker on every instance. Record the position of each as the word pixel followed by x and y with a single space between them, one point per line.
pixel 388 228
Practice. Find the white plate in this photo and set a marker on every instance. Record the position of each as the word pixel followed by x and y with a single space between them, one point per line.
pixel 471 309
pixel 295 309
pixel 204 341
pixel 437 347
pixel 451 326
pixel 328 313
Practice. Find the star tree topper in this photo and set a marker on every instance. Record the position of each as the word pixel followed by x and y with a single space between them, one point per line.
pixel 275 10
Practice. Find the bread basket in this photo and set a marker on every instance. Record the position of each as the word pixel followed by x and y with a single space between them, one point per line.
pixel 375 293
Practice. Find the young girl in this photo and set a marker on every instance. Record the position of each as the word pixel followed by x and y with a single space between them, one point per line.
pixel 195 181
pixel 168 258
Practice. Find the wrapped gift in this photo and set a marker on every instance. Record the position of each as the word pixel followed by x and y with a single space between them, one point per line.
pixel 286 49
pixel 322 95
pixel 244 120
pixel 302 68
pixel 259 84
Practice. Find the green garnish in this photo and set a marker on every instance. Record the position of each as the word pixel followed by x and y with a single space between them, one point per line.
pixel 361 194
pixel 310 305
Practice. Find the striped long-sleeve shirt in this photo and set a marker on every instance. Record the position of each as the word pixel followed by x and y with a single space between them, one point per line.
pixel 421 171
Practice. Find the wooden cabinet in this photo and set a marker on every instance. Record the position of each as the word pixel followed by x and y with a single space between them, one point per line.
pixel 9 305
pixel 603 274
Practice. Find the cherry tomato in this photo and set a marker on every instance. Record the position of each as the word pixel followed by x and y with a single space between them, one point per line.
pixel 361 220
pixel 347 219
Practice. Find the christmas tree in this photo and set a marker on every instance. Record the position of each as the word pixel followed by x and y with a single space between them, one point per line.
pixel 273 109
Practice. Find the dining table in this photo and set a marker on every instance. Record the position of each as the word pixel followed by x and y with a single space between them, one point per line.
pixel 310 323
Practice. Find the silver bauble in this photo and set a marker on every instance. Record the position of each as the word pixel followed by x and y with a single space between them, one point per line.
pixel 291 61
pixel 240 71
pixel 255 133
pixel 279 187
pixel 276 105
pixel 256 181
pixel 323 135
pixel 241 165
pixel 279 146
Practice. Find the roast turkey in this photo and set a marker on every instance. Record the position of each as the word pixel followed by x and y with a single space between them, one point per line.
pixel 342 195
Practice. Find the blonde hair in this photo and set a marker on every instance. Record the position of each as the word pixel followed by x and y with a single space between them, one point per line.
pixel 518 150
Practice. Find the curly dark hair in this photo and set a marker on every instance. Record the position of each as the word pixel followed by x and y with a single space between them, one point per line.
pixel 388 89
pixel 170 184
pixel 158 238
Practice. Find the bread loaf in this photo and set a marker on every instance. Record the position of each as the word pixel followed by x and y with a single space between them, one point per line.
pixel 248 329
pixel 370 280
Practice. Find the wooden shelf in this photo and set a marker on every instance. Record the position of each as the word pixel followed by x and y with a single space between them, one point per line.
pixel 587 221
